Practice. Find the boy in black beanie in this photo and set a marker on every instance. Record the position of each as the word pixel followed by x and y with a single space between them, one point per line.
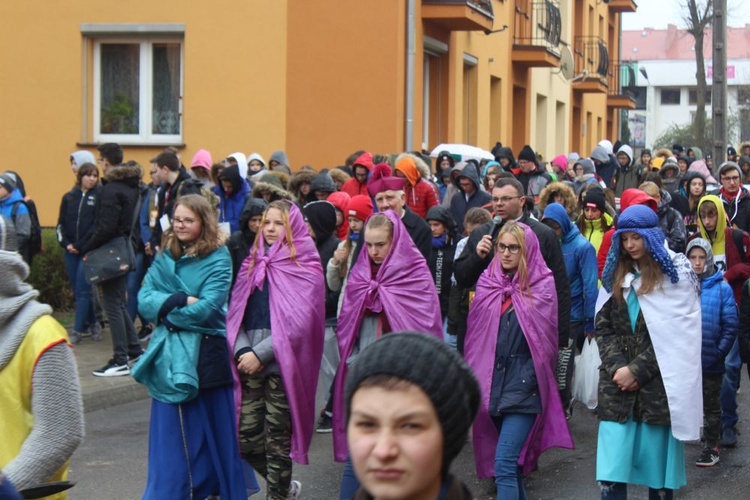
pixel 410 399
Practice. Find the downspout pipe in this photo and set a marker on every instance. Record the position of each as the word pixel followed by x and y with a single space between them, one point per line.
pixel 410 57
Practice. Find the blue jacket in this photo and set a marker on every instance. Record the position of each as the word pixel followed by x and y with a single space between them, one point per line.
pixel 580 261
pixel 170 368
pixel 231 206
pixel 720 322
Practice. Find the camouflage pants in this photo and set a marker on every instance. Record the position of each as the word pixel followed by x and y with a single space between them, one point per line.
pixel 712 408
pixel 266 432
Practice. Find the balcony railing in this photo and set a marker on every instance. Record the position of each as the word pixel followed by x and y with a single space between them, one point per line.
pixel 537 23
pixel 461 15
pixel 591 61
pixel 536 33
pixel 621 81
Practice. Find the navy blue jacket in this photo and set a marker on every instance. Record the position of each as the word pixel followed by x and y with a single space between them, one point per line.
pixel 75 224
pixel 720 322
pixel 459 204
pixel 514 382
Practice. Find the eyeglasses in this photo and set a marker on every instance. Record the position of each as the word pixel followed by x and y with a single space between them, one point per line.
pixel 731 179
pixel 513 249
pixel 504 199
pixel 183 222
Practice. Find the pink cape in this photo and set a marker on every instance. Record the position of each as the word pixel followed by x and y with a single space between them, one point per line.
pixel 297 294
pixel 403 289
pixel 537 315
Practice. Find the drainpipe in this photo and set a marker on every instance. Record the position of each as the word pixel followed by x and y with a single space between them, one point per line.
pixel 410 56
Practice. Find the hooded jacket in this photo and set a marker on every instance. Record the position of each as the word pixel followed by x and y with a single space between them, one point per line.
pixel 670 184
pixel 295 184
pixel 554 189
pixel 321 215
pixel 580 262
pixel 281 158
pixel 240 242
pixel 690 216
pixel 609 170
pixel 730 247
pixel 441 258
pixel 718 312
pixel 459 205
pixel 444 155
pixel 83 156
pixel 322 182
pixel 271 186
pixel 420 196
pixel 630 175
pixel 697 153
pixel 738 208
pixel 588 176
pixel 593 231
pixel 241 163
pixel 231 204
pixel 506 152
pixel 115 206
pixel 533 182
pixel 671 223
pixel 353 187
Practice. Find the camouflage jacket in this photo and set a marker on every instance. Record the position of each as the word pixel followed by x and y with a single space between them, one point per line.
pixel 619 346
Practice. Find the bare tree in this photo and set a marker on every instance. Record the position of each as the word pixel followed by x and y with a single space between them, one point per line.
pixel 697 17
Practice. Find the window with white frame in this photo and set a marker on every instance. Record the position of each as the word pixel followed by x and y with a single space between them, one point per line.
pixel 137 94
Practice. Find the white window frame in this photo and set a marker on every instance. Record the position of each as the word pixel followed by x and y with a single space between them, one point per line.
pixel 145 87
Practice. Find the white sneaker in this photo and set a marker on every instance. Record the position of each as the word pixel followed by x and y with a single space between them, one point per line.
pixel 295 489
pixel 112 369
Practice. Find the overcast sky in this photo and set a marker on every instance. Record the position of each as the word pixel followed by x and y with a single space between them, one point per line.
pixel 659 13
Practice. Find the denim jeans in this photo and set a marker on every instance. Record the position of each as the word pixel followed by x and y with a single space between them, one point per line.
pixel 124 338
pixel 729 386
pixel 349 481
pixel 447 337
pixel 513 429
pixel 134 280
pixel 619 491
pixel 84 311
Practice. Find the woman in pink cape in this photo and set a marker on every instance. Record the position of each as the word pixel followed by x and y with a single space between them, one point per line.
pixel 511 343
pixel 389 289
pixel 275 329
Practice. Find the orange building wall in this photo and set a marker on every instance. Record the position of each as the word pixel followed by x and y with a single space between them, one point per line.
pixel 233 84
pixel 346 74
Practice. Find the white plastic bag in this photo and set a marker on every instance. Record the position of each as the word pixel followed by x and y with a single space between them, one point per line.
pixel 586 377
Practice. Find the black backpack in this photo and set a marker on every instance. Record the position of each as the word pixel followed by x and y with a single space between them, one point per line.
pixel 35 240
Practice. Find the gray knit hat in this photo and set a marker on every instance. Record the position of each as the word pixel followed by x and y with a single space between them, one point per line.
pixel 433 366
pixel 7 235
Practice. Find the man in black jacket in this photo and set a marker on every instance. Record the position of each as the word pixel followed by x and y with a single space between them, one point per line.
pixel 115 209
pixel 175 182
pixel 508 202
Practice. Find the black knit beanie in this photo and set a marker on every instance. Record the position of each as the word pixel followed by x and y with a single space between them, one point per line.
pixel 527 154
pixel 595 198
pixel 435 368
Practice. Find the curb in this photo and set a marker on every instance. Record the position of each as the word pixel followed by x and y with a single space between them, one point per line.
pixel 102 399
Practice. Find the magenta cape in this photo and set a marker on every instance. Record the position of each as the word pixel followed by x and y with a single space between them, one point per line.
pixel 297 306
pixel 537 315
pixel 403 288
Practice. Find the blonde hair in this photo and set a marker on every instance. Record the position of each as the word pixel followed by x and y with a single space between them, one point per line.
pixel 283 207
pixel 210 238
pixel 650 188
pixel 379 221
pixel 519 234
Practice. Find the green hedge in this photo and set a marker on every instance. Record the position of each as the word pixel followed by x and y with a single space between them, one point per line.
pixel 48 274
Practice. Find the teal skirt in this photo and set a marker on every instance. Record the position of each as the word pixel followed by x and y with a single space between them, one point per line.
pixel 640 453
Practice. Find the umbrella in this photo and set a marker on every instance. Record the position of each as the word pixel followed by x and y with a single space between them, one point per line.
pixel 463 152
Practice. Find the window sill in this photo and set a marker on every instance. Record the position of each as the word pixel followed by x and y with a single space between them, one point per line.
pixel 135 144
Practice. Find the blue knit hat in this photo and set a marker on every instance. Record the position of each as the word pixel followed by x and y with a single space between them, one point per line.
pixel 642 220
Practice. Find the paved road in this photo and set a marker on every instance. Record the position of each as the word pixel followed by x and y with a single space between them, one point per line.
pixel 111 464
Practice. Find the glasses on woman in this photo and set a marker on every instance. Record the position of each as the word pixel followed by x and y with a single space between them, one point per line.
pixel 183 222
pixel 513 249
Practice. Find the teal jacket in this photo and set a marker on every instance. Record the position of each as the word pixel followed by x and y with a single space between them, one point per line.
pixel 169 366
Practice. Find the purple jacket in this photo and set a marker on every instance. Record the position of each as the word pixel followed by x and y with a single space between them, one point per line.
pixel 297 321
pixel 537 315
pixel 403 290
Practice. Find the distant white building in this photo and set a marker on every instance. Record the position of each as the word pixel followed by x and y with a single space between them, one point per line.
pixel 665 83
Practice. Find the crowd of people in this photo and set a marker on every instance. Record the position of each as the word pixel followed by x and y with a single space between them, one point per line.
pixel 249 279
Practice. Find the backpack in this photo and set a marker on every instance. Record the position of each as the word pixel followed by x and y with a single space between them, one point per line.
pixel 35 240
pixel 737 237
pixel 211 197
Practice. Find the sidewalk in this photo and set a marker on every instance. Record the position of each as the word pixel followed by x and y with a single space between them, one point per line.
pixel 103 392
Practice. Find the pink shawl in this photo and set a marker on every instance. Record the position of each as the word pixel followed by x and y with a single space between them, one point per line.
pixel 403 289
pixel 297 306
pixel 537 315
